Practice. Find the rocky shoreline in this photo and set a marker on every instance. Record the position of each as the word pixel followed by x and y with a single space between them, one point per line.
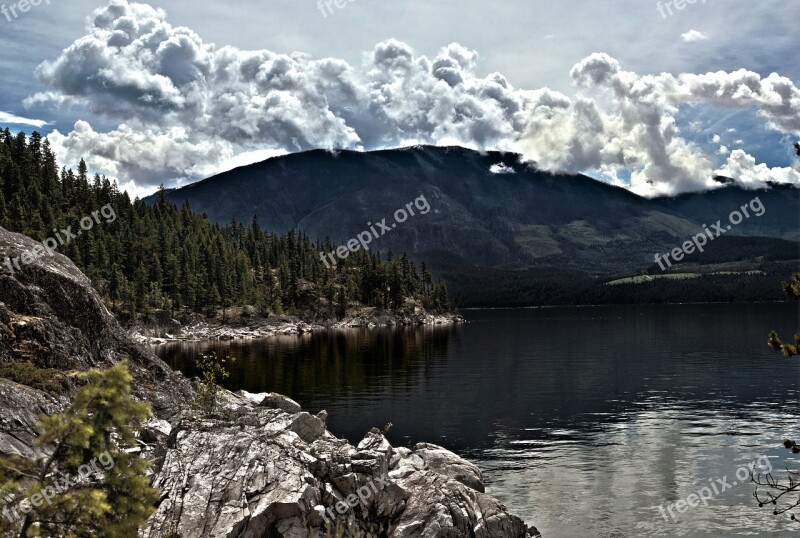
pixel 200 330
pixel 258 466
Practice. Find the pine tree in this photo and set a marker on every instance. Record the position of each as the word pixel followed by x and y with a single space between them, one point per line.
pixel 110 493
pixel 141 288
pixel 115 285
pixel 3 210
pixel 341 304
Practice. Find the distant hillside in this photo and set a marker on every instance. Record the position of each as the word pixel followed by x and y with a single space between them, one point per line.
pixel 520 220
pixel 781 217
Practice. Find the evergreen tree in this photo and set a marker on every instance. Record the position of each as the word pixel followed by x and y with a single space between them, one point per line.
pixel 109 493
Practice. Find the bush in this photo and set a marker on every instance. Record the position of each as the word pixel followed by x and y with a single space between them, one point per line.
pixel 44 379
pixel 213 371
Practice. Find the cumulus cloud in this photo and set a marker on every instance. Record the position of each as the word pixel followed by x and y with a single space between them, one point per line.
pixel 501 169
pixel 776 97
pixel 744 169
pixel 187 108
pixel 143 155
pixel 635 130
pixel 694 35
pixel 164 81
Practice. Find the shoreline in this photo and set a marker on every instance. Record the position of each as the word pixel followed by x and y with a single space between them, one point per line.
pixel 200 331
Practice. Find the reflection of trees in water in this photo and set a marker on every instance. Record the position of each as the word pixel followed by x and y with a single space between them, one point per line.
pixel 331 363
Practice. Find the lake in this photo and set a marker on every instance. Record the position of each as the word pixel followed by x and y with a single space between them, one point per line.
pixel 584 420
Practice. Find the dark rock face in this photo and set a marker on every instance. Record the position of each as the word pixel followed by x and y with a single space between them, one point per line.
pixel 51 316
pixel 22 407
pixel 260 466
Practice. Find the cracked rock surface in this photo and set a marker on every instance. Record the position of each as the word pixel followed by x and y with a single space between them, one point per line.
pixel 257 470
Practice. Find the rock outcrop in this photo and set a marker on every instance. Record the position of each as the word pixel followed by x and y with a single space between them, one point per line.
pixel 259 466
pixel 21 408
pixel 51 316
pixel 256 469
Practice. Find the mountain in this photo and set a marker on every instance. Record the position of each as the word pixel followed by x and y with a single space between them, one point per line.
pixel 487 210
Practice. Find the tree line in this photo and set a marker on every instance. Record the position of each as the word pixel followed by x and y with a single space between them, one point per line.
pixel 159 256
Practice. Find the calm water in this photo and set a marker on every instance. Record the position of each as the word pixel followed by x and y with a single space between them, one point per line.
pixel 584 420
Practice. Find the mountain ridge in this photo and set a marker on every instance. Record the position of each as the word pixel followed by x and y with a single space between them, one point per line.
pixel 522 219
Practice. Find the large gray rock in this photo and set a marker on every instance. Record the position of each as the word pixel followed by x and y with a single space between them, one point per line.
pixel 21 408
pixel 271 399
pixel 254 473
pixel 445 462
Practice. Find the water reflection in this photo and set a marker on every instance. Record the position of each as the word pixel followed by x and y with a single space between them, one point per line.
pixel 584 420
pixel 337 367
pixel 609 479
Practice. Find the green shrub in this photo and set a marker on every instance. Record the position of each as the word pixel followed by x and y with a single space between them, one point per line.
pixel 28 374
pixel 98 427
pixel 213 371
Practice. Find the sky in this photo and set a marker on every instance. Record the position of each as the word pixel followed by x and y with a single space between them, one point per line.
pixel 655 96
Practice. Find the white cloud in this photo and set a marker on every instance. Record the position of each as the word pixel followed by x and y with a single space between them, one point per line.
pixel 135 67
pixel 635 127
pixel 188 108
pixel 249 157
pixel 501 168
pixel 6 118
pixel 140 154
pixel 744 169
pixel 694 35
pixel 696 126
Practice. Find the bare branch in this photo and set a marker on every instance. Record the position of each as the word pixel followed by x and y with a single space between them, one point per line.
pixel 775 490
